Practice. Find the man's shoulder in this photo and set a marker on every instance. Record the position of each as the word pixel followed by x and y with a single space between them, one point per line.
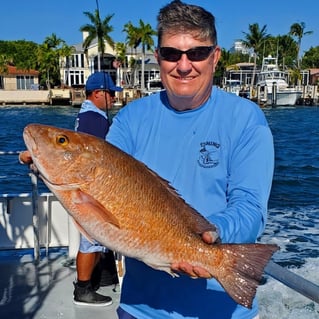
pixel 90 114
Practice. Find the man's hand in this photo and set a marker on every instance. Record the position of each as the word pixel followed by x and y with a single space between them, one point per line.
pixel 196 271
pixel 25 157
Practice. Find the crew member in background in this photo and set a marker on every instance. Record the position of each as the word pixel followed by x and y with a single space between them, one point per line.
pixel 93 119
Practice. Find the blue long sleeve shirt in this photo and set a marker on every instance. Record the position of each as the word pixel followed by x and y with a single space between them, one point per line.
pixel 220 159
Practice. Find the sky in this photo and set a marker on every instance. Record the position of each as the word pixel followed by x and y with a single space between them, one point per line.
pixel 34 20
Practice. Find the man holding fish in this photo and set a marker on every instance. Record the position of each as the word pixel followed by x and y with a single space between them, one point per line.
pixel 213 147
pixel 197 206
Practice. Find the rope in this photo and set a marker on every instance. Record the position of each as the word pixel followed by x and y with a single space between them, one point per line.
pixel 10 152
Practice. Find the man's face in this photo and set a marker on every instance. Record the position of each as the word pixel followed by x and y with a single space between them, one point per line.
pixel 188 83
pixel 104 99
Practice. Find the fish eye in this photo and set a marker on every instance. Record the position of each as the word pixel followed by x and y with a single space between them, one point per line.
pixel 62 140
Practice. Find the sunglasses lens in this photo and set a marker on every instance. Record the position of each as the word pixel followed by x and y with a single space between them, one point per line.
pixel 198 54
pixel 194 54
pixel 170 54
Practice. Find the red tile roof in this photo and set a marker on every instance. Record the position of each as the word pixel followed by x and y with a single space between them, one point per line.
pixel 12 70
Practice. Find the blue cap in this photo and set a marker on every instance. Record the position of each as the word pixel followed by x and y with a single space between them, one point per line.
pixel 101 81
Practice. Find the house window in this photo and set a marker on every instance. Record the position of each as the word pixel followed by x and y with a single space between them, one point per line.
pixel 74 77
pixel 24 82
pixel 75 61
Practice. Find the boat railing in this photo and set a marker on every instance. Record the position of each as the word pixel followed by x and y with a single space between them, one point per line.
pixel 35 220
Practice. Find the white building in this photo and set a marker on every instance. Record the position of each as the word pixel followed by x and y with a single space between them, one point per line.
pixel 76 69
pixel 239 47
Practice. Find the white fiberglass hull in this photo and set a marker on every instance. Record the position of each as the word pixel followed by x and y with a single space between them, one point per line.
pixel 283 98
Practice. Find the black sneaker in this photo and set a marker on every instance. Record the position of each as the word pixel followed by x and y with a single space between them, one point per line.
pixel 108 270
pixel 86 296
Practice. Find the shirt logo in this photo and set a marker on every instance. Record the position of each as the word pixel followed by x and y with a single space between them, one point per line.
pixel 209 154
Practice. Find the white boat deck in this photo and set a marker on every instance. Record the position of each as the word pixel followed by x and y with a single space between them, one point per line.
pixel 45 290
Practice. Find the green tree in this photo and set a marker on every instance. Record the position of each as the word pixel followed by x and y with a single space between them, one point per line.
pixel 256 39
pixel 49 56
pixel 20 53
pixel 223 63
pixel 146 34
pixel 132 37
pixel 120 49
pixel 100 30
pixel 228 61
pixel 140 35
pixel 287 49
pixel 4 62
pixel 311 58
pixel 298 30
pixel 132 40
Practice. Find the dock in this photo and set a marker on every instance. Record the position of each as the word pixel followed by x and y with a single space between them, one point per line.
pixel 76 95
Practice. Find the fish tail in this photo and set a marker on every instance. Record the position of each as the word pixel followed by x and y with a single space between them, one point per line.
pixel 241 269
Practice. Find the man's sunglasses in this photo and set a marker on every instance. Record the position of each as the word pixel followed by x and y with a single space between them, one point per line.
pixel 194 54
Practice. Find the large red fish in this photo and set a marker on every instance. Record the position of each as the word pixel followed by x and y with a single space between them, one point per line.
pixel 119 202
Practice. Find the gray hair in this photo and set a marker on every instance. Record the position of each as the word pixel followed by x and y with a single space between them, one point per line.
pixel 179 17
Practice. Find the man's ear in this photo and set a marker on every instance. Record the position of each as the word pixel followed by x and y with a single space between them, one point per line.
pixel 156 55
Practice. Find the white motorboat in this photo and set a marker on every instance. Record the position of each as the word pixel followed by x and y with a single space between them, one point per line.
pixel 273 85
pixel 154 86
pixel 233 86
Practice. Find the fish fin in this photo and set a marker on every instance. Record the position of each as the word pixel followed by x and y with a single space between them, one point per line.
pixel 197 223
pixel 241 269
pixel 201 224
pixel 86 204
pixel 82 231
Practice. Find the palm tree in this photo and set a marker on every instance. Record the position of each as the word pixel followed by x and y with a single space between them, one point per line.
pixel 256 40
pixel 132 38
pixel 145 32
pixel 131 35
pixel 223 63
pixel 53 41
pixel 141 35
pixel 298 30
pixel 120 49
pixel 49 60
pixel 49 54
pixel 99 29
pixel 286 49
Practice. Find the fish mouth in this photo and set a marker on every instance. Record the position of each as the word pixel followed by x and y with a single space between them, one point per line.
pixel 52 185
pixel 55 186
pixel 28 157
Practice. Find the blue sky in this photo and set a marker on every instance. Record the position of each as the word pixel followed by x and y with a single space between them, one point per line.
pixel 34 20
